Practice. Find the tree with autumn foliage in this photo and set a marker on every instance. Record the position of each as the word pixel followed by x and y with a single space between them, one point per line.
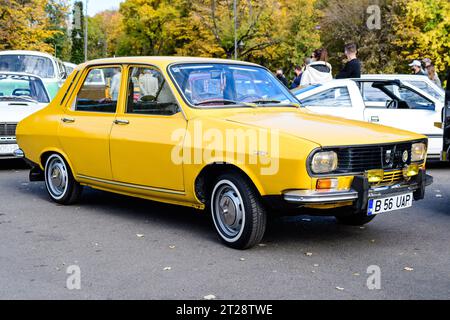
pixel 26 25
pixel 422 30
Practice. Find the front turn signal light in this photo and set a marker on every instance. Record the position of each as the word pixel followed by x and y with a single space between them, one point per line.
pixel 326 184
pixel 375 176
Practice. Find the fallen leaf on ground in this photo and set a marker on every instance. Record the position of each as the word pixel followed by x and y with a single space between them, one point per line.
pixel 439 196
pixel 316 265
pixel 408 269
pixel 209 297
pixel 308 254
pixel 307 220
pixel 139 235
pixel 356 274
pixel 242 259
pixel 262 245
pixel 167 268
pixel 340 288
pixel 171 247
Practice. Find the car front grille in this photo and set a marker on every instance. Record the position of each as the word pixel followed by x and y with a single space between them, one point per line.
pixel 7 129
pixel 390 178
pixel 357 159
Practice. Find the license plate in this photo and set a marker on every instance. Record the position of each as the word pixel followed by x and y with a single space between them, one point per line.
pixel 8 149
pixel 393 203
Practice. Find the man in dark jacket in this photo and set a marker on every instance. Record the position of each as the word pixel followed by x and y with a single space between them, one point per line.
pixel 352 68
pixel 282 78
pixel 298 77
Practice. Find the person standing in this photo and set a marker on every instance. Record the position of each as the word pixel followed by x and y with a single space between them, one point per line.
pixel 416 68
pixel 282 78
pixel 298 77
pixel 431 71
pixel 115 84
pixel 352 69
pixel 319 70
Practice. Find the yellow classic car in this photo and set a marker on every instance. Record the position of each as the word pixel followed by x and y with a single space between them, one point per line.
pixel 220 135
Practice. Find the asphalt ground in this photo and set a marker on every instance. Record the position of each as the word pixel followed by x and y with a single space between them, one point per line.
pixel 128 248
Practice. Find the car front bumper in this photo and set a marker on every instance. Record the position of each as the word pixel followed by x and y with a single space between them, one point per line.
pixel 360 192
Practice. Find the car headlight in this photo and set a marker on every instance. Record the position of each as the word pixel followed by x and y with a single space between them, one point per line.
pixel 418 152
pixel 324 162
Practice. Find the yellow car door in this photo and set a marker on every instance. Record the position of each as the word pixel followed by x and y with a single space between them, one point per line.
pixel 86 125
pixel 142 137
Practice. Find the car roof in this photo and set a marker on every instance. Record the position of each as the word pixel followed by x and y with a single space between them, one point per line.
pixel 162 60
pixel 27 52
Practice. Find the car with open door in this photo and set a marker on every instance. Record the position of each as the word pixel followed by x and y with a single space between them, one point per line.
pixel 217 135
pixel 388 102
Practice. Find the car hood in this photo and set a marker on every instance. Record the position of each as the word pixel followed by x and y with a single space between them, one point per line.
pixel 322 129
pixel 16 111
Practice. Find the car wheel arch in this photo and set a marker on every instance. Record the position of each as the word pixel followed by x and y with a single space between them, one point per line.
pixel 47 153
pixel 205 178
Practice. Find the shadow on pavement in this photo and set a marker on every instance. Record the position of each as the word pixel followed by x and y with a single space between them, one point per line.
pixel 13 164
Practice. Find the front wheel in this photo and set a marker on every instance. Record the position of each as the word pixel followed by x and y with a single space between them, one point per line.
pixel 61 186
pixel 237 211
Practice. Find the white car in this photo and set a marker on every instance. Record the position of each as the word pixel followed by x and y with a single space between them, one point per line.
pixel 69 67
pixel 50 69
pixel 20 95
pixel 392 103
pixel 421 82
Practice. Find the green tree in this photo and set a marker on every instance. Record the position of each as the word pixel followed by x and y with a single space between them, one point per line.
pixel 149 26
pixel 422 29
pixel 57 12
pixel 77 51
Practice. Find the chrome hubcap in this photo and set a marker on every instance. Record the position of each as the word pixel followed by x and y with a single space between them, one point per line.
pixel 228 210
pixel 57 177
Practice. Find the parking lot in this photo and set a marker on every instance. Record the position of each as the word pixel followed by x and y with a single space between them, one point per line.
pixel 134 249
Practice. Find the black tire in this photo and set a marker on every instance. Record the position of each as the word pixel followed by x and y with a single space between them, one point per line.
pixel 59 181
pixel 355 218
pixel 237 211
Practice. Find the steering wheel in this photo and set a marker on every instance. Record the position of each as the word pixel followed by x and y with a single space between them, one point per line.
pixel 392 104
pixel 21 92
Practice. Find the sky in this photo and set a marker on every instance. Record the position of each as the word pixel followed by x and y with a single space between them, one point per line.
pixel 95 6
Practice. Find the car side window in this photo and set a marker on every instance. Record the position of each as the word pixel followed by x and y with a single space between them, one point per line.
pixel 149 93
pixel 100 90
pixel 335 97
pixel 372 94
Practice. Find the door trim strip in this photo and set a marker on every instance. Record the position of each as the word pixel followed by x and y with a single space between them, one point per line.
pixel 134 186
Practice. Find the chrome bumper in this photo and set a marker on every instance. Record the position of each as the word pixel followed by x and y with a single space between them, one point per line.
pixel 304 197
pixel 311 197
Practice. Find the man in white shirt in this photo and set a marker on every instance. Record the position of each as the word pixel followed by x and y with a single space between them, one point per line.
pixel 148 84
pixel 115 84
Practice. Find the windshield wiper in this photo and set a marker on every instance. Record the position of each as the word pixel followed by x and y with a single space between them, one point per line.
pixel 266 101
pixel 20 98
pixel 221 101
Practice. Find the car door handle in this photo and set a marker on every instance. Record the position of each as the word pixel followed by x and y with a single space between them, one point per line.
pixel 122 122
pixel 374 119
pixel 68 120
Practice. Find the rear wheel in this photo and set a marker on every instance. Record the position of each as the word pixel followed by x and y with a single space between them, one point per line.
pixel 61 186
pixel 237 211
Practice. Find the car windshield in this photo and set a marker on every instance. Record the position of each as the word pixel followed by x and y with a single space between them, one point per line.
pixel 428 89
pixel 37 65
pixel 227 85
pixel 22 88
